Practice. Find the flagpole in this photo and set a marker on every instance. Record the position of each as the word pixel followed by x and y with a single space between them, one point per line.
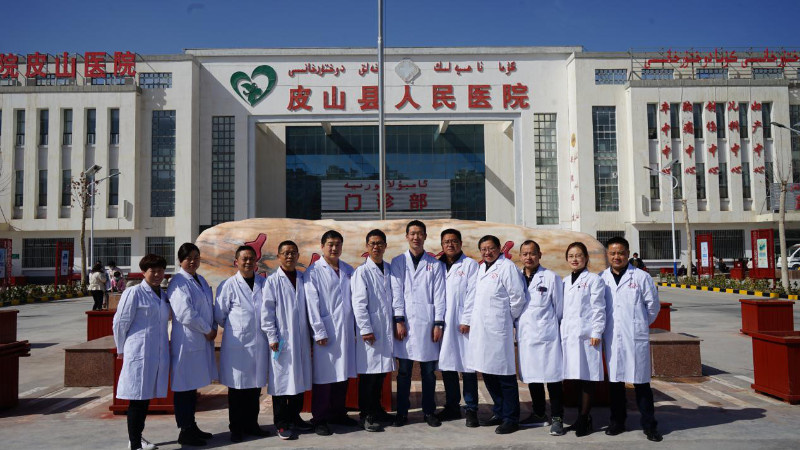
pixel 381 128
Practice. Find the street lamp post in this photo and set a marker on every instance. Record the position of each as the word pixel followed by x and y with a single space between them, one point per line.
pixel 91 172
pixel 671 211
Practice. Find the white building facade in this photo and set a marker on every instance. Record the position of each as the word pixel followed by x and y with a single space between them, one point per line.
pixel 551 137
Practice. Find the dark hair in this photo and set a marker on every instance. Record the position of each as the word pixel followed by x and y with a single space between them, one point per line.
pixel 581 246
pixel 618 240
pixel 331 234
pixel 489 237
pixel 186 249
pixel 451 231
pixel 285 243
pixel 376 232
pixel 97 267
pixel 117 274
pixel 244 248
pixel 531 242
pixel 416 223
pixel 112 263
pixel 152 261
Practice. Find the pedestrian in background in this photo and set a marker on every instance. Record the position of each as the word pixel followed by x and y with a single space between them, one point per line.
pixel 97 286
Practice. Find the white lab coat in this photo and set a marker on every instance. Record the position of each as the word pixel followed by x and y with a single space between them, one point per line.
pixel 460 293
pixel 499 299
pixel 538 336
pixel 243 352
pixel 371 292
pixel 631 306
pixel 140 334
pixel 418 296
pixel 284 319
pixel 584 318
pixel 330 314
pixel 193 361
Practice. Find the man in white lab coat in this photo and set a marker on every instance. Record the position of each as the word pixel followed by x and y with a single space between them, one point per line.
pixel 460 291
pixel 371 289
pixel 243 352
pixel 418 299
pixel 330 313
pixel 140 334
pixel 539 340
pixel 192 342
pixel 285 321
pixel 499 300
pixel 631 306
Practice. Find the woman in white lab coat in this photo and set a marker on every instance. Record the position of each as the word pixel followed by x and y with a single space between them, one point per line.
pixel 243 351
pixel 192 343
pixel 582 329
pixel 285 321
pixel 140 334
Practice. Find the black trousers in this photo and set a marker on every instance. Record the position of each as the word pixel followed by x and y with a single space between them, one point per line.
pixel 556 392
pixel 243 407
pixel 286 409
pixel 185 403
pixel 505 395
pixel 644 401
pixel 370 386
pixel 97 296
pixel 137 413
pixel 328 401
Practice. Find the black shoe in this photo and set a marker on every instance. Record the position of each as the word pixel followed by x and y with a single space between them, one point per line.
pixel 534 419
pixel 492 421
pixel 583 427
pixel 399 421
pixel 449 414
pixel 653 435
pixel 186 437
pixel 371 424
pixel 344 420
pixel 200 433
pixel 322 429
pixel 301 425
pixel 257 431
pixel 615 428
pixel 506 428
pixel 236 436
pixel 384 417
pixel 472 419
pixel 432 420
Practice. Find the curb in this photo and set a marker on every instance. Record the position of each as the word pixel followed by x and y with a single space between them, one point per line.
pixel 731 291
pixel 25 301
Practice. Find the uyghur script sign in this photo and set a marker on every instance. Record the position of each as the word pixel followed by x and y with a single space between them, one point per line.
pixel 725 58
pixel 401 195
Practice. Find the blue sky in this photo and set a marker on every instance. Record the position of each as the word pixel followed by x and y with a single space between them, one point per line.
pixel 169 26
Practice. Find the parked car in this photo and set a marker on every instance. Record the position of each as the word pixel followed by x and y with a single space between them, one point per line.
pixel 793 260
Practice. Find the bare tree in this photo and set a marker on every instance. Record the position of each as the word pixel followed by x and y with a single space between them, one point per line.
pixel 782 175
pixel 82 190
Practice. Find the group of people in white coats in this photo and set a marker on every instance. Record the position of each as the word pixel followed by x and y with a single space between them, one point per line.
pixel 451 314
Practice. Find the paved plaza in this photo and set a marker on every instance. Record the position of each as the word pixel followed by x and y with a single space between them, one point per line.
pixel 718 410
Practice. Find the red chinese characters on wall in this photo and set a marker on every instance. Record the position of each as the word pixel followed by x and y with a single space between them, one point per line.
pixel 690 150
pixel 443 96
pixel 665 129
pixel 756 125
pixel 65 66
pixel 124 64
pixel 690 170
pixel 338 101
pixel 407 99
pixel 711 126
pixel 755 106
pixel 687 107
pixel 9 66
pixel 732 106
pixel 714 171
pixel 735 150
pixel 298 98
pixel 369 98
pixel 758 149
pixel 713 150
pixel 734 126
pixel 736 170
pixel 94 65
pixel 688 128
pixel 36 65
pixel 666 151
pixel 711 106
pixel 515 96
pixel 664 108
pixel 479 96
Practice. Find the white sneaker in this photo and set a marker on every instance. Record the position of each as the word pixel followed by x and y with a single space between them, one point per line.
pixel 146 445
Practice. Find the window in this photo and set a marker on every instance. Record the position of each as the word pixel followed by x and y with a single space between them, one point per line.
pixel 697 120
pixel 114 138
pixel 8 81
pixel 545 152
pixel 768 182
pixel 655 190
pixel 767 73
pixel 43 188
pixel 700 179
pixel 610 76
pixel 652 121
pixel 67 138
pixel 744 125
pixel 794 117
pixel 746 180
pixel 655 244
pixel 603 236
pixel 109 80
pixel 20 127
pixel 766 119
pixel 113 187
pixel 222 169
pixel 162 246
pixel 19 187
pixel 155 80
pixel 726 243
pixel 721 124
pixel 712 74
pixel 117 249
pixel 66 187
pixel 41 253
pixel 91 123
pixel 723 181
pixel 675 120
pixel 162 193
pixel 657 74
pixel 47 80
pixel 604 124
pixel 44 123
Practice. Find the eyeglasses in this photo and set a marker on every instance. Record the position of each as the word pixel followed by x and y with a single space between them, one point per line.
pixel 288 254
pixel 376 244
pixel 451 242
